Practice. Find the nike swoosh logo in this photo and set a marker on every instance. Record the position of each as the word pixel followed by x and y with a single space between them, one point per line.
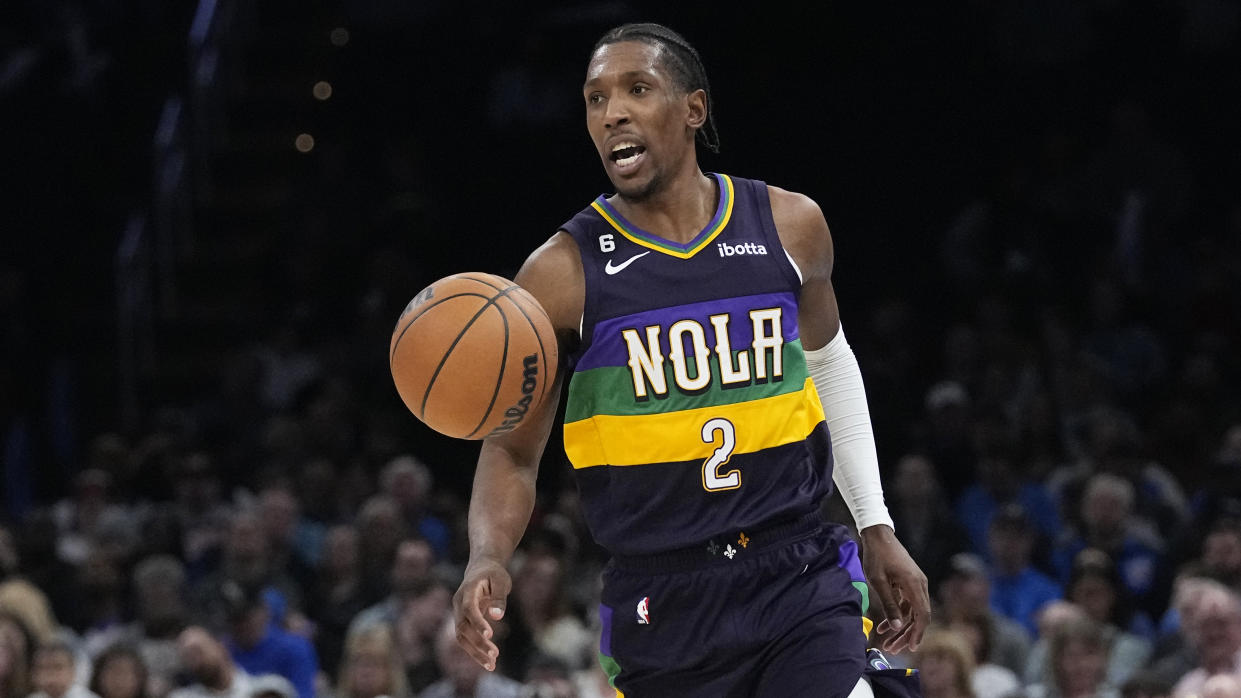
pixel 620 267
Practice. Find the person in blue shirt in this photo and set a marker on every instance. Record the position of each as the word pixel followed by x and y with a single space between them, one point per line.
pixel 1018 589
pixel 259 644
pixel 1001 482
pixel 1109 524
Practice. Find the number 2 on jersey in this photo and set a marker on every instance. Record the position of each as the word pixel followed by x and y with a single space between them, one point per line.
pixel 712 480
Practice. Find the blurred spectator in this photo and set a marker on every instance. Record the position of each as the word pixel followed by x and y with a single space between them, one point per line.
pixel 335 595
pixel 411 566
pixel 272 686
pixel 372 666
pixel 1221 554
pixel 42 566
pixel 1000 481
pixel 1095 587
pixel 1107 523
pixel 212 672
pixel 288 535
pixel 987 680
pixel 288 365
pixel 541 605
pixel 119 672
pixel 24 600
pixel 1112 443
pixel 593 682
pixel 246 560
pixel 1213 627
pixel 921 512
pixel 422 614
pixel 548 677
pixel 17 645
pixel 464 677
pixel 1145 685
pixel 948 420
pixel 1222 686
pixel 1130 354
pixel 1018 590
pixel 945 664
pixel 79 517
pixel 1076 662
pixel 101 605
pixel 966 593
pixel 1175 653
pixel 260 646
pixel 380 530
pixel 1125 654
pixel 54 671
pixel 408 482
pixel 159 592
pixel 201 515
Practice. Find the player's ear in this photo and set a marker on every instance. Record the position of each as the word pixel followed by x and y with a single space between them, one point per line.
pixel 696 112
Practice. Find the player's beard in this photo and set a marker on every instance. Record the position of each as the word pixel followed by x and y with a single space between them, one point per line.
pixel 643 191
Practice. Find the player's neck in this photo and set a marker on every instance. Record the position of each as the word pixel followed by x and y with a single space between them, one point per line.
pixel 679 210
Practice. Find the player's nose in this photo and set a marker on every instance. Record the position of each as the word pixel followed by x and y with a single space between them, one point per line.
pixel 616 113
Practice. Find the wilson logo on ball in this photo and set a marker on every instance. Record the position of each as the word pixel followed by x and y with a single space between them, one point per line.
pixel 530 381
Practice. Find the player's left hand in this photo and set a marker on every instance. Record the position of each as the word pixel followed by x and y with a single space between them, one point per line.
pixel 901 587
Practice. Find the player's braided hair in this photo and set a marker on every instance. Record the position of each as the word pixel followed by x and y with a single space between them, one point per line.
pixel 682 62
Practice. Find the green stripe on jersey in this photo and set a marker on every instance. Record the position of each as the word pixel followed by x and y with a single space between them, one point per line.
pixel 609 389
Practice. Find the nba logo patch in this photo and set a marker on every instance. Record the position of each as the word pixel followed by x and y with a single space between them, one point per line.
pixel 644 616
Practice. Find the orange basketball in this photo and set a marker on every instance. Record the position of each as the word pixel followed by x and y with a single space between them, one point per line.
pixel 472 355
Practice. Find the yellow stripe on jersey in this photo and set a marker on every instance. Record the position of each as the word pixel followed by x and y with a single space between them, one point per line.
pixel 674 437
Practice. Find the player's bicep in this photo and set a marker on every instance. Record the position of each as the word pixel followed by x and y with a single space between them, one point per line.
pixel 804 233
pixel 553 275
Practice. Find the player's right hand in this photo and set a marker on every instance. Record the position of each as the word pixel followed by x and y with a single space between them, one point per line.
pixel 479 602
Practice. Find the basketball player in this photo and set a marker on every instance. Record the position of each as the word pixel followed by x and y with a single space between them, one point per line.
pixel 708 369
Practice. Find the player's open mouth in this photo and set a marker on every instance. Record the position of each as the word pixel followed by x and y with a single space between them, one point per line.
pixel 626 154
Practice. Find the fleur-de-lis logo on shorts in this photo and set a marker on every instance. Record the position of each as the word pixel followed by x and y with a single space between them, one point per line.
pixel 730 551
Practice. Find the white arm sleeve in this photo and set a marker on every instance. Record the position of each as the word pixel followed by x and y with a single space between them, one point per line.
pixel 838 379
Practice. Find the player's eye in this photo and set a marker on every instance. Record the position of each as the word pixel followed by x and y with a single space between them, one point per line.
pixel 594 98
pixel 639 89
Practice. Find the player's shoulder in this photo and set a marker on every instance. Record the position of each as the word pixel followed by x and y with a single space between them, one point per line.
pixel 802 229
pixel 794 207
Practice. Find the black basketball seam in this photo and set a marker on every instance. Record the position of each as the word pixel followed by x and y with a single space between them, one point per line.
pixel 503 364
pixel 420 313
pixel 485 282
pixel 444 359
pixel 542 349
pixel 547 378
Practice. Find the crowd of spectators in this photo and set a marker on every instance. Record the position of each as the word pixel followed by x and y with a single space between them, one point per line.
pixel 1059 424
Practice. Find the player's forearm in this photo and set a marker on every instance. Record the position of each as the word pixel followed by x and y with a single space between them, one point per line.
pixel 501 503
pixel 856 474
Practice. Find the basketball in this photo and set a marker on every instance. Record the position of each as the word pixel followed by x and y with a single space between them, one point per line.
pixel 473 354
